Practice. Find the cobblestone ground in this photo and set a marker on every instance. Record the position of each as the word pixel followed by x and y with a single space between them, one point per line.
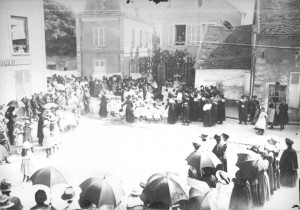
pixel 133 152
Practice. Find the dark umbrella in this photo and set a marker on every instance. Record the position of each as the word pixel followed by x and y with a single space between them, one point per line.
pixel 167 188
pixel 250 164
pixel 102 191
pixel 16 103
pixel 202 159
pixel 48 176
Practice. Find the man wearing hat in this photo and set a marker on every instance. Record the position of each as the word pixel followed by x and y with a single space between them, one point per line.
pixel 5 187
pixel 186 114
pixel 254 103
pixel 224 138
pixel 242 107
pixel 218 149
pixel 288 165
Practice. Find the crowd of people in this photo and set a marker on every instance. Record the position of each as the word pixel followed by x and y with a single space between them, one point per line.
pixel 259 116
pixel 58 111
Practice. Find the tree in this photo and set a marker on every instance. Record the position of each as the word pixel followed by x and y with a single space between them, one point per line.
pixel 59 29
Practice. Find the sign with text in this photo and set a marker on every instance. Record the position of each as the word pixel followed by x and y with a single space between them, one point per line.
pixel 15 62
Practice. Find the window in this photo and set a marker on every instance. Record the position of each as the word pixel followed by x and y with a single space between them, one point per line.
pixel 180 34
pixel 277 92
pixel 132 38
pixel 99 67
pixel 19 35
pixel 141 38
pixel 98 33
pixel 200 3
pixel 294 90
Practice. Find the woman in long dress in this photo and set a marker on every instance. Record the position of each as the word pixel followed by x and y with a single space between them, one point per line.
pixel 129 110
pixel 3 150
pixel 271 113
pixel 289 165
pixel 283 117
pixel 103 106
pixel 47 142
pixel 207 118
pixel 241 198
pixel 261 123
pixel 171 112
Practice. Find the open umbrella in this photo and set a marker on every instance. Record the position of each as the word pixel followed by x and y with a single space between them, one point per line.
pixel 167 188
pixel 250 164
pixel 50 105
pixel 48 176
pixel 16 103
pixel 203 159
pixel 102 191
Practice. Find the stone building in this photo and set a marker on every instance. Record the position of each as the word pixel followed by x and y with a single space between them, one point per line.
pixel 22 54
pixel 276 62
pixel 111 36
pixel 184 22
pixel 224 60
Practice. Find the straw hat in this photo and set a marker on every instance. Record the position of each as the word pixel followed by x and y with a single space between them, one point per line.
pixel 5 202
pixel 46 122
pixel 26 145
pixel 136 192
pixel 203 136
pixel 68 194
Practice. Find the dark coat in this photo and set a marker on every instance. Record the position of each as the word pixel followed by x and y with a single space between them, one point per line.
pixel 242 107
pixel 103 107
pixel 186 114
pixel 288 166
pixel 283 117
pixel 221 110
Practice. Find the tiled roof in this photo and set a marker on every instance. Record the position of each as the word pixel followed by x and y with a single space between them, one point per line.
pixel 225 49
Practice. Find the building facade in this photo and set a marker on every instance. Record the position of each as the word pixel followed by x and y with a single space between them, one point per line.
pixel 224 60
pixel 184 22
pixel 276 62
pixel 111 36
pixel 22 55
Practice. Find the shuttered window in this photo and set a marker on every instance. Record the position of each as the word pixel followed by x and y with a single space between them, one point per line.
pixel 98 36
pixel 188 35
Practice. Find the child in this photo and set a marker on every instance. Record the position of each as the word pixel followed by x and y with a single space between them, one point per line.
pixel 261 123
pixel 18 136
pixel 149 113
pixel 165 113
pixel 186 114
pixel 26 165
pixel 156 113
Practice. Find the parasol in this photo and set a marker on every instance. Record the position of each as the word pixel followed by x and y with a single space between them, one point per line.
pixel 167 188
pixel 202 159
pixel 102 191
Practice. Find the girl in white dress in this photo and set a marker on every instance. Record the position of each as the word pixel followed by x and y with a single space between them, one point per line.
pixel 18 134
pixel 26 165
pixel 261 123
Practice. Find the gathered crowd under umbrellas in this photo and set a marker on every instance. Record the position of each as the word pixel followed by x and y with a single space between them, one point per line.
pixel 262 170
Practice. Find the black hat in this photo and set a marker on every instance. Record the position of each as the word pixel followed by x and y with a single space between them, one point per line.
pixel 68 193
pixel 226 136
pixel 289 142
pixel 217 137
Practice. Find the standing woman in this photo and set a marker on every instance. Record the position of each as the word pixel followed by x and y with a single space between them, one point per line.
pixel 171 111
pixel 27 132
pixel 271 113
pixel 10 115
pixel 207 119
pixel 47 144
pixel 288 165
pixel 221 110
pixel 283 117
pixel 261 123
pixel 40 135
pixel 214 110
pixel 242 107
pixel 129 110
pixel 103 106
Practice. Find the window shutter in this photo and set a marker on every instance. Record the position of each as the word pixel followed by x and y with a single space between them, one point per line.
pixel 198 35
pixel 194 34
pixel 188 35
pixel 171 36
pixel 101 37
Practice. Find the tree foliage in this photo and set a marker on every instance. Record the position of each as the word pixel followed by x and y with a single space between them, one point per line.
pixel 159 55
pixel 59 29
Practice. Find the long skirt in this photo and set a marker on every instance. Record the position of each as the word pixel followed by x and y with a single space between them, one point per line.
pixel 241 198
pixel 263 189
pixel 129 115
pixel 289 178
pixel 26 167
pixel 103 110
pixel 207 118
